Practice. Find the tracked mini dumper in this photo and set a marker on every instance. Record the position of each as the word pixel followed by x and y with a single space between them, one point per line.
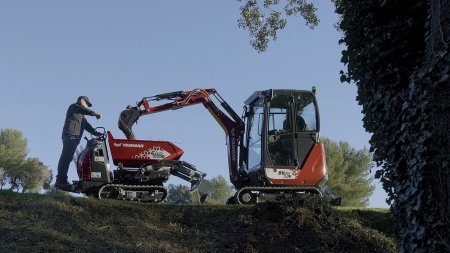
pixel 142 169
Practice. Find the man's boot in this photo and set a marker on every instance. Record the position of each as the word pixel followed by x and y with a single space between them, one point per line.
pixel 62 184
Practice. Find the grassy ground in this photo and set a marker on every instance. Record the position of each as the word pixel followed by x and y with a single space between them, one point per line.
pixel 56 223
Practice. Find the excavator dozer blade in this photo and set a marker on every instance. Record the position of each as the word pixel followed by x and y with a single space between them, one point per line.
pixel 200 191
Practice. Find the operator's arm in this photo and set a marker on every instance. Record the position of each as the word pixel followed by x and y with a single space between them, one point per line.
pixel 76 108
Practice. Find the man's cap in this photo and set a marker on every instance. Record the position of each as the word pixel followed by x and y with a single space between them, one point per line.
pixel 85 99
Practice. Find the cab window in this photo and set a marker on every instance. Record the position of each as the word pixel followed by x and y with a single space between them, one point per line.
pixel 305 112
pixel 254 137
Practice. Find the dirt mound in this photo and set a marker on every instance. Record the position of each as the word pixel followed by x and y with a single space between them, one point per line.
pixel 42 223
pixel 310 226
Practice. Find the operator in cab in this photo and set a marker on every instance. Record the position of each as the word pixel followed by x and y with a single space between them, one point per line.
pixel 73 129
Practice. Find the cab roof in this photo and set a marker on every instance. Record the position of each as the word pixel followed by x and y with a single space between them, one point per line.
pixel 269 93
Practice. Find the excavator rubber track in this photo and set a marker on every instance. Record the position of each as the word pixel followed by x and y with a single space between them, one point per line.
pixel 253 195
pixel 141 193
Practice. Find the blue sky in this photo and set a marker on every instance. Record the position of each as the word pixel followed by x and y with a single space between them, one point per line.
pixel 116 52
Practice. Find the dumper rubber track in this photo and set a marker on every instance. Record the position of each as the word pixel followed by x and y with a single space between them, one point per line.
pixel 141 193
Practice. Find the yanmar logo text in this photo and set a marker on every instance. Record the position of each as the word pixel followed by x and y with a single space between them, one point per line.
pixel 128 145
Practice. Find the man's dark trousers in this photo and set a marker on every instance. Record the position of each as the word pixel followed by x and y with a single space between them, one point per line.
pixel 69 147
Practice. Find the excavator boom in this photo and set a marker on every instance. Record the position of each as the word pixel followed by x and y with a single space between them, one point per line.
pixel 230 121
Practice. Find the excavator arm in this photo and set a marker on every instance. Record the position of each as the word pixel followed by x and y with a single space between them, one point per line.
pixel 230 121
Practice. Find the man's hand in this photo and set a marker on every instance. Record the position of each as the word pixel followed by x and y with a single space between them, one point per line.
pixel 98 116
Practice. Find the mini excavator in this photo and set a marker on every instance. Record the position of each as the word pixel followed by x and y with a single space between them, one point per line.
pixel 274 150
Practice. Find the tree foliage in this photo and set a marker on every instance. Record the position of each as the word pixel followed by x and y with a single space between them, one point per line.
pixel 220 190
pixel 178 194
pixel 2 177
pixel 348 173
pixel 263 18
pixel 16 170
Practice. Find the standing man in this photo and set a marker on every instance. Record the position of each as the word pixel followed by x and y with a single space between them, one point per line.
pixel 74 127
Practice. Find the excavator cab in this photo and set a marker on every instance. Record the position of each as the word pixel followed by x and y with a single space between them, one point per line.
pixel 292 128
pixel 282 143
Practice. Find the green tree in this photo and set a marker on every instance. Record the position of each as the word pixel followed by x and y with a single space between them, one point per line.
pixel 263 18
pixel 13 148
pixel 348 173
pixel 37 175
pixel 178 194
pixel 19 172
pixel 220 190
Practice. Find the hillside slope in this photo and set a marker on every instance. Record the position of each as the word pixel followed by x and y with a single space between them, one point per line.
pixel 51 223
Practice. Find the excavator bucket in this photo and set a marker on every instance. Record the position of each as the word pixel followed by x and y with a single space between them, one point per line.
pixel 127 118
pixel 200 191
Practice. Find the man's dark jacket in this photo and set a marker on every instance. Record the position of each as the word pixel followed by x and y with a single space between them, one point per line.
pixel 75 122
